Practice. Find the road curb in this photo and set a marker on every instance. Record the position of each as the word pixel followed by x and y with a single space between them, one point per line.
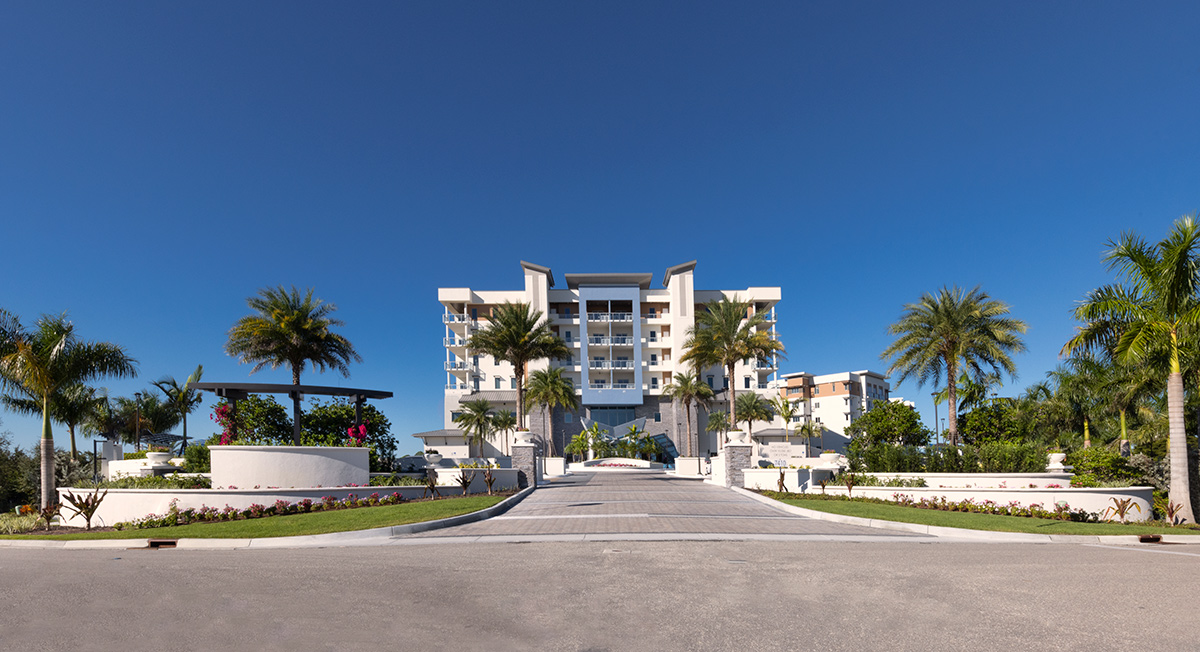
pixel 963 533
pixel 299 541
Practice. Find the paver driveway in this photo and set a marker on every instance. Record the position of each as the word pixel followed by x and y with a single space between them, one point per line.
pixel 646 503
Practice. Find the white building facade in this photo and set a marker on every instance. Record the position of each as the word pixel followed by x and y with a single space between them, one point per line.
pixel 626 340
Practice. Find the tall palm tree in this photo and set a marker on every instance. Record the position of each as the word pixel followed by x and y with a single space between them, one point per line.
pixel 972 392
pixel 476 422
pixel 517 334
pixel 786 411
pixel 70 406
pixel 725 333
pixel 504 421
pixel 548 389
pixel 291 330
pixel 809 430
pixel 182 398
pixel 751 408
pixel 688 389
pixel 1151 309
pixel 954 331
pixel 1078 387
pixel 44 360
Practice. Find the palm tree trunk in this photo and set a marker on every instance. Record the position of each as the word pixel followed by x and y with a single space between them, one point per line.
pixel 952 398
pixel 1087 434
pixel 520 373
pixel 1180 488
pixel 47 456
pixel 1124 436
pixel 687 417
pixel 71 429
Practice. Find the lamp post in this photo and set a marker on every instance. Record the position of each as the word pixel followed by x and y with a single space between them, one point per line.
pixel 937 434
pixel 137 422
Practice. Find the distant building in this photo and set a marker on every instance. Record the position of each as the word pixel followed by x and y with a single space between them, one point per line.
pixel 626 340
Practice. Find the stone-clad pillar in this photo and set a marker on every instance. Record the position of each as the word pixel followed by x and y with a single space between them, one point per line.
pixel 737 455
pixel 524 458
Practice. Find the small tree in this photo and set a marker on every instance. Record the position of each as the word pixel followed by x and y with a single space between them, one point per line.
pixel 750 408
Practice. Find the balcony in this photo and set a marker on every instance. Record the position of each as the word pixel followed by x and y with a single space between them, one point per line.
pixel 610 364
pixel 767 364
pixel 661 314
pixel 764 386
pixel 615 340
pixel 452 318
pixel 454 341
pixel 610 316
pixel 456 365
pixel 658 342
pixel 564 316
pixel 456 386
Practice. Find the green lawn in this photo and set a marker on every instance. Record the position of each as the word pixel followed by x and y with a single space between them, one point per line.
pixel 344 520
pixel 971 521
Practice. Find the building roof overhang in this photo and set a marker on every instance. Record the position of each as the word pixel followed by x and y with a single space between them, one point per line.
pixel 677 269
pixel 445 432
pixel 640 280
pixel 539 269
pixel 492 396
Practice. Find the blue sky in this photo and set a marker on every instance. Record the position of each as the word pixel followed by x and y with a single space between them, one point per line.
pixel 161 162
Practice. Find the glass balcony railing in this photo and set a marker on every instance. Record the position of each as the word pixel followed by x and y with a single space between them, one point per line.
pixel 452 318
pixel 454 341
pixel 767 364
pixel 610 316
pixel 456 365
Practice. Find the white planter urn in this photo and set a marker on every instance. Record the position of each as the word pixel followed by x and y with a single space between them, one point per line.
pixel 1056 459
pixel 737 437
pixel 830 458
pixel 158 459
pixel 432 459
pixel 523 437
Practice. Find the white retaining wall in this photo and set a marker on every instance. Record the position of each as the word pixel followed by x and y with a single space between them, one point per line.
pixel 1097 500
pixel 245 467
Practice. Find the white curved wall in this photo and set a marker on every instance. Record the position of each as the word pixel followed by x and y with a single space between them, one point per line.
pixel 246 467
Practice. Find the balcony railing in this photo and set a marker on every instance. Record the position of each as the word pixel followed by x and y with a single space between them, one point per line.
pixel 456 365
pixel 658 341
pixel 768 364
pixel 452 318
pixel 661 314
pixel 610 364
pixel 615 340
pixel 610 316
pixel 764 385
pixel 458 386
pixel 454 341
pixel 597 385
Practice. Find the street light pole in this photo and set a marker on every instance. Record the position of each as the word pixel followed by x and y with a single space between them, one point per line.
pixel 936 434
pixel 137 423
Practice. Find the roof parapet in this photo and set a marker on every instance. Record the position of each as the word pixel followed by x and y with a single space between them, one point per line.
pixel 539 269
pixel 677 269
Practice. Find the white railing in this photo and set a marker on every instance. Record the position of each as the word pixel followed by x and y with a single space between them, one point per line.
pixel 454 341
pixel 764 386
pixel 454 386
pixel 597 385
pixel 452 318
pixel 597 316
pixel 597 364
pixel 622 385
pixel 620 316
pixel 597 339
pixel 621 364
pixel 759 364
pixel 659 341
pixel 662 314
pixel 456 365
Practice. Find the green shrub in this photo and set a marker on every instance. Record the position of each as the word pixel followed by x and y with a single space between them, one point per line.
pixel 173 481
pixel 395 480
pixel 14 524
pixel 1105 464
pixel 1011 457
pixel 136 455
pixel 197 459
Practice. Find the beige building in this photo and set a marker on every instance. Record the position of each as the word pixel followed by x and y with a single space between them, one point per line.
pixel 626 339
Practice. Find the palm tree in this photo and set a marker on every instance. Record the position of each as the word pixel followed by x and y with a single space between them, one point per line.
pixel 476 423
pixel 156 417
pixel 751 408
pixel 291 330
pixel 182 397
pixel 718 422
pixel 688 389
pixel 71 406
pixel 517 334
pixel 1077 393
pixel 504 421
pixel 809 430
pixel 952 331
pixel 972 392
pixel 786 411
pixel 43 361
pixel 725 333
pixel 1152 311
pixel 548 389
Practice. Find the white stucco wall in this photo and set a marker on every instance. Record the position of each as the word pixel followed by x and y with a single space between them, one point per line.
pixel 246 467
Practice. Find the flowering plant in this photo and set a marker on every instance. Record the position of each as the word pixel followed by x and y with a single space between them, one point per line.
pixel 358 436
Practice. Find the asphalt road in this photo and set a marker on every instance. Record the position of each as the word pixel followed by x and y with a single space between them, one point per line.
pixel 606 596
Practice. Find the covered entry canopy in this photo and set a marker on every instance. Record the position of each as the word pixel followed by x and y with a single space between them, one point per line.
pixel 235 392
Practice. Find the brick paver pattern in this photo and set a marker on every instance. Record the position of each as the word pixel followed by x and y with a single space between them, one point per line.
pixel 641 502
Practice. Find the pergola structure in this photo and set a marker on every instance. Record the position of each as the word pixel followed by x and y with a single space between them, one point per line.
pixel 234 392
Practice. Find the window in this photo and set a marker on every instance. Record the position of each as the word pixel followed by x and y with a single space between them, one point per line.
pixel 512 384
pixel 651 311
pixel 653 382
pixel 567 336
pixel 658 417
pixel 612 416
pixel 724 383
pixel 818 419
pixel 497 383
pixel 475 360
pixel 568 417
pixel 653 335
pixel 710 382
pixel 747 382
pixel 476 383
pixel 495 361
pixel 816 389
pixel 816 405
pixel 653 359
pixel 474 313
pixel 455 415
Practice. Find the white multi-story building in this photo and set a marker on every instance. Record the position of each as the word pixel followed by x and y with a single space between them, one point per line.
pixel 626 340
pixel 834 400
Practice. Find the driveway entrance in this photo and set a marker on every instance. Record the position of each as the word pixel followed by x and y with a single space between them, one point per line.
pixel 647 505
